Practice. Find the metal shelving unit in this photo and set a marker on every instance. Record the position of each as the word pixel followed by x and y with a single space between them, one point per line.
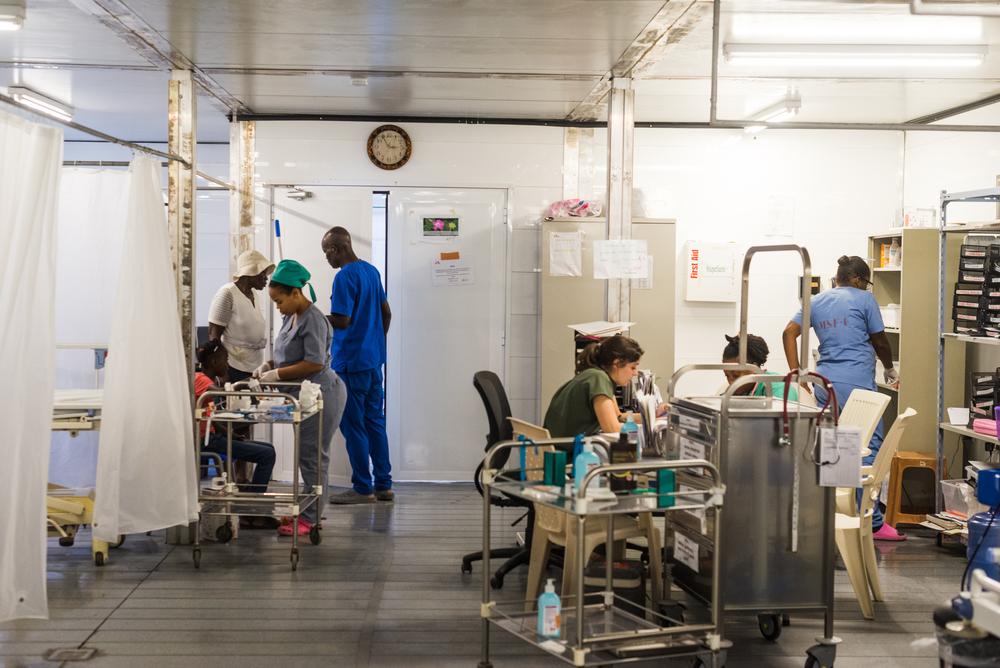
pixel 947 254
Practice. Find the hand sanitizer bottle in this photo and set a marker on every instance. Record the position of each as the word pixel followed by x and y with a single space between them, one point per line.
pixel 585 461
pixel 631 429
pixel 549 612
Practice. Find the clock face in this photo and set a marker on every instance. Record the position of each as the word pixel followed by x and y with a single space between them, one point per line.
pixel 389 147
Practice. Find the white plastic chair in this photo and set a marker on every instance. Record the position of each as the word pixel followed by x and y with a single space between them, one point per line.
pixel 551 529
pixel 863 410
pixel 854 530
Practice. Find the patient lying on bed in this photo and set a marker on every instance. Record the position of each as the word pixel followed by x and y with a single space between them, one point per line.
pixel 214 362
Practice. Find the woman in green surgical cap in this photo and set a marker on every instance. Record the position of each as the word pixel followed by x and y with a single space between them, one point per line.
pixel 302 352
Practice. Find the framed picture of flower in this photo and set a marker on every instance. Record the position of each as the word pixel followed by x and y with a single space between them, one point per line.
pixel 440 227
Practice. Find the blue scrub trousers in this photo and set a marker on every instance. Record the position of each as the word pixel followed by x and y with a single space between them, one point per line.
pixel 363 426
pixel 843 391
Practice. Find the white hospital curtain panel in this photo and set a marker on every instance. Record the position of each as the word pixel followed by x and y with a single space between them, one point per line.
pixel 145 463
pixel 30 161
pixel 91 229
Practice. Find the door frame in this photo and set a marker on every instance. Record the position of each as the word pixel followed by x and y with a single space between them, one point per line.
pixel 508 218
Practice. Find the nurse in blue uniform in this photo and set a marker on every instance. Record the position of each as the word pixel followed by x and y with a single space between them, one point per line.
pixel 849 326
pixel 302 352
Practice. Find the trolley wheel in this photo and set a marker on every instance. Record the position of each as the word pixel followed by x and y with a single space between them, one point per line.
pixel 98 558
pixel 118 543
pixel 786 620
pixel 496 581
pixel 294 557
pixel 770 627
pixel 314 536
pixel 196 556
pixel 224 533
pixel 66 541
pixel 466 568
pixel 700 662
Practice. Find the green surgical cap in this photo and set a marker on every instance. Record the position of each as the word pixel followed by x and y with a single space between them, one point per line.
pixel 294 275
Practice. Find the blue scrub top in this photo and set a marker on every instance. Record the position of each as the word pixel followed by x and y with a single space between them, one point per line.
pixel 844 320
pixel 358 293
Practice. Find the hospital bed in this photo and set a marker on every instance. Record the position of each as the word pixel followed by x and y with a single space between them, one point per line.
pixel 69 509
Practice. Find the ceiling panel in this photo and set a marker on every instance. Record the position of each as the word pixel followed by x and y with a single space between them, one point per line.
pixel 56 31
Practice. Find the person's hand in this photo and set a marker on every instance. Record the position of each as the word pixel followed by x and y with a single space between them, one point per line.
pixel 807 386
pixel 270 376
pixel 262 369
pixel 662 410
pixel 891 377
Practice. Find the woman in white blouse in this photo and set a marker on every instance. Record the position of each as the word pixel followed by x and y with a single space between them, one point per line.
pixel 235 319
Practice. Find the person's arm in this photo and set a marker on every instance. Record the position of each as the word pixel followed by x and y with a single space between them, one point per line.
pixel 338 321
pixel 219 313
pixel 215 331
pixel 878 339
pixel 299 370
pixel 606 411
pixel 880 342
pixel 789 339
pixel 386 316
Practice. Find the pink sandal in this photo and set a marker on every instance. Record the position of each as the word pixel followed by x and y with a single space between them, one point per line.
pixel 888 533
pixel 304 527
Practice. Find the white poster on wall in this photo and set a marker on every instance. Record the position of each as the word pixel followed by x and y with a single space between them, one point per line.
pixel 711 272
pixel 621 258
pixel 565 254
pixel 451 272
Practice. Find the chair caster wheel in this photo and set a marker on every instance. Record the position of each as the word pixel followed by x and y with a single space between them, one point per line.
pixel 66 541
pixel 466 568
pixel 99 559
pixel 496 582
pixel 770 626
pixel 314 537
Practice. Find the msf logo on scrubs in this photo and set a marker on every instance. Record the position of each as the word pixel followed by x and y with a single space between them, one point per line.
pixel 831 324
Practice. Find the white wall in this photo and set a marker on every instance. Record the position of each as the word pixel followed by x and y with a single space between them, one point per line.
pixel 526 159
pixel 723 185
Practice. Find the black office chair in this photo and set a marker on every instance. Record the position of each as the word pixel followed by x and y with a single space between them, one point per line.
pixel 497 406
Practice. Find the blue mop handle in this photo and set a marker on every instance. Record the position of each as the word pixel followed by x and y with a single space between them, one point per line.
pixel 277 234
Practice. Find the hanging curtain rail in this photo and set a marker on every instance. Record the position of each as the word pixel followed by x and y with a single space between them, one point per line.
pixel 114 140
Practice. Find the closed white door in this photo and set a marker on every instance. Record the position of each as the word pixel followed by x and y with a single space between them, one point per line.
pixel 304 220
pixel 443 329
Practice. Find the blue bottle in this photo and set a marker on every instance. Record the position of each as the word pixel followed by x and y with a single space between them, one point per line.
pixel 585 461
pixel 631 429
pixel 549 612
pixel 981 540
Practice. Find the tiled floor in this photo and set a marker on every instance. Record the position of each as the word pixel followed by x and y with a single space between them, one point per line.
pixel 384 589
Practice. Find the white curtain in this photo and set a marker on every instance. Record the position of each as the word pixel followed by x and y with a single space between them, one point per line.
pixel 30 162
pixel 91 228
pixel 145 467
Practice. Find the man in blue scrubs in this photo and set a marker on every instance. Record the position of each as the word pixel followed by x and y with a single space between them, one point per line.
pixel 849 326
pixel 359 314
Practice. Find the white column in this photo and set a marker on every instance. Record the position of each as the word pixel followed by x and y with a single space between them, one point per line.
pixel 621 101
pixel 242 161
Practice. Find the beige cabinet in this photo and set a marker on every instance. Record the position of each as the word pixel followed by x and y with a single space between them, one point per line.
pixel 568 300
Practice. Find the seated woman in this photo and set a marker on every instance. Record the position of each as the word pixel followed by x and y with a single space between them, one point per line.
pixel 757 352
pixel 214 361
pixel 586 404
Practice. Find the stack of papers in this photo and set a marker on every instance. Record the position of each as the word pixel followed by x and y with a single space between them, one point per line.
pixel 946 523
pixel 601 328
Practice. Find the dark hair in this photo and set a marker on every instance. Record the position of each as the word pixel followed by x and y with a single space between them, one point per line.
pixel 604 353
pixel 282 288
pixel 849 267
pixel 757 350
pixel 205 352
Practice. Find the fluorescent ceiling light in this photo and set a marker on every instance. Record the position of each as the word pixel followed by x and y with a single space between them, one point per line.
pixel 776 113
pixel 11 15
pixel 41 103
pixel 854 55
pixel 870 28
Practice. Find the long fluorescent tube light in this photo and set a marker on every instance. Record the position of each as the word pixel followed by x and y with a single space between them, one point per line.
pixel 11 15
pixel 954 8
pixel 776 113
pixel 855 55
pixel 41 103
pixel 854 29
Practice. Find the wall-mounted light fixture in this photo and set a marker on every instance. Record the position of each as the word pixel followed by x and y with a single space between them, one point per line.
pixel 41 103
pixel 855 55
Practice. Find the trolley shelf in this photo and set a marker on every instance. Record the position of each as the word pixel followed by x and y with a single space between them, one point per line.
pixel 611 634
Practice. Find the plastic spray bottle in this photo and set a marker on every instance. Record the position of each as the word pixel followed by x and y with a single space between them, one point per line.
pixel 549 612
pixel 585 461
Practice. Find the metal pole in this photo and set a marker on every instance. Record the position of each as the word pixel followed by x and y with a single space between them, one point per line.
pixel 487 464
pixel 714 100
pixel 580 567
pixel 242 135
pixel 181 116
pixel 621 103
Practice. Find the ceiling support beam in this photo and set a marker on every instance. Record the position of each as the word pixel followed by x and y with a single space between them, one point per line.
pixel 181 115
pixel 672 23
pixel 621 103
pixel 242 139
pixel 956 110
pixel 151 45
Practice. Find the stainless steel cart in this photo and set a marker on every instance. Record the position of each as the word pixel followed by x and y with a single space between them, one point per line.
pixel 778 531
pixel 594 630
pixel 226 499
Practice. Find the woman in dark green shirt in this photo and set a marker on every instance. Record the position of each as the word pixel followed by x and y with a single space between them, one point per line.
pixel 586 404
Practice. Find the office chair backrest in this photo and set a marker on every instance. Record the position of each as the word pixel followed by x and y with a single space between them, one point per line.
pixel 497 407
pixel 863 409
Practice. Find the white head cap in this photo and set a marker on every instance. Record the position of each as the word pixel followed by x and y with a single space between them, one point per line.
pixel 251 263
